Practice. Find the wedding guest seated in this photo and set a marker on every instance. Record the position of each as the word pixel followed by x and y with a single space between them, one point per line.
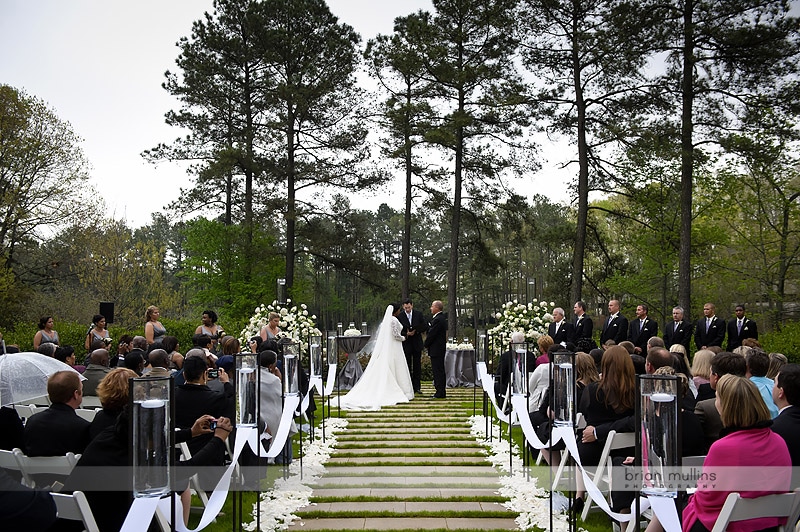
pixel 47 349
pixel 628 346
pixel 723 363
pixel 748 458
pixel 123 348
pixel 95 371
pixel 170 345
pixel 271 399
pixel 603 403
pixel 701 373
pixel 159 363
pixel 113 395
pixel 776 362
pixel 58 430
pixel 585 374
pixel 692 441
pixel 544 342
pixel 12 432
pixel 66 354
pixel 110 496
pixel 134 361
pixel 195 398
pixel 24 508
pixel 757 367
pixel 787 425
pixel 203 341
pixel 505 365
pixel 539 380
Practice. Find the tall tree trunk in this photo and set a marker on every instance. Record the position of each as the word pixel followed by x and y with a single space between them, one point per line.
pixel 291 204
pixel 583 167
pixel 405 259
pixel 687 160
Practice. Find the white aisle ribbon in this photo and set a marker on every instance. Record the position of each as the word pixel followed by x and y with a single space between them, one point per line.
pixel 141 513
pixel 520 404
pixel 331 379
pixel 487 382
pixel 316 382
pixel 664 508
pixel 591 489
pixel 142 510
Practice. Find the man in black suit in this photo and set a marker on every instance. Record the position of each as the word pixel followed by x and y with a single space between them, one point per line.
pixel 677 331
pixel 616 326
pixel 436 343
pixel 58 430
pixel 739 328
pixel 710 329
pixel 641 330
pixel 413 326
pixel 561 331
pixel 786 394
pixel 195 398
pixel 583 323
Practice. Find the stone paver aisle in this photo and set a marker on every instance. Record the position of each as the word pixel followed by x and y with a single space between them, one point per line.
pixel 409 467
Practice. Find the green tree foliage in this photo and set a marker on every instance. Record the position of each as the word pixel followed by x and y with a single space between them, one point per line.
pixel 723 57
pixel 587 56
pixel 43 172
pixel 407 115
pixel 467 48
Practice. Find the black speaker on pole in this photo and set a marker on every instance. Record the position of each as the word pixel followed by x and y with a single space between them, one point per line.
pixel 107 310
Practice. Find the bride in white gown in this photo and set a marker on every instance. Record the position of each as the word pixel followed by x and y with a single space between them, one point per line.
pixel 386 381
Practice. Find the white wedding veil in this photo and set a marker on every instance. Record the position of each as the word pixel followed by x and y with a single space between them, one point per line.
pixel 384 328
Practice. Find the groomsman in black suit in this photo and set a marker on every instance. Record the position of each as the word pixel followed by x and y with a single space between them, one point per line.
pixel 616 326
pixel 413 326
pixel 739 328
pixel 641 330
pixel 561 331
pixel 436 343
pixel 710 329
pixel 583 323
pixel 677 331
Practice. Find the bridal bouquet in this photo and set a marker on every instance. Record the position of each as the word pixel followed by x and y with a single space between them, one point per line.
pixel 531 319
pixel 296 323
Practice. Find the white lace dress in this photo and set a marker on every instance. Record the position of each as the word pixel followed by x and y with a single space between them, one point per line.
pixel 386 381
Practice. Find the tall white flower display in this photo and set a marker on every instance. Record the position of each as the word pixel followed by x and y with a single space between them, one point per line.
pixel 531 319
pixel 296 323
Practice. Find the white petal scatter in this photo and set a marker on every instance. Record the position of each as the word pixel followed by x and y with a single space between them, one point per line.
pixel 278 505
pixel 525 497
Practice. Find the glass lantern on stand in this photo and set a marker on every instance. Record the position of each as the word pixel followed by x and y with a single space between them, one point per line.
pixel 658 434
pixel 247 390
pixel 152 433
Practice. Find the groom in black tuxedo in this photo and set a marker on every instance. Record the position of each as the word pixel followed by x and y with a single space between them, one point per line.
pixel 413 326
pixel 436 342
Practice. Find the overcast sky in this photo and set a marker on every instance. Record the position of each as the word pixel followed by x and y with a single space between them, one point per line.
pixel 100 65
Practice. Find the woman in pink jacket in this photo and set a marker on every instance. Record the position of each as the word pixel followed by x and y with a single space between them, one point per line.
pixel 748 458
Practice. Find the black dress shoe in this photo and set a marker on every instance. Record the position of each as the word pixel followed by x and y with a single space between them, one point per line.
pixel 577 506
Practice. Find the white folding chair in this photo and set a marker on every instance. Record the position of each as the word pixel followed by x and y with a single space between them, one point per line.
pixel 8 461
pixel 91 401
pixel 87 413
pixel 24 411
pixel 60 466
pixel 42 400
pixel 737 508
pixel 615 440
pixel 75 507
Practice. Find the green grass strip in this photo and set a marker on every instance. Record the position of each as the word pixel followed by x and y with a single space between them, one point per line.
pixel 394 498
pixel 491 514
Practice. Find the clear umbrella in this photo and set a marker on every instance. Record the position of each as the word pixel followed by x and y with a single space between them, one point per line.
pixel 23 376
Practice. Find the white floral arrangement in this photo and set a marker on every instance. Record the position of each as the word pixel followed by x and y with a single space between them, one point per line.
pixel 464 346
pixel 352 332
pixel 296 322
pixel 531 319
